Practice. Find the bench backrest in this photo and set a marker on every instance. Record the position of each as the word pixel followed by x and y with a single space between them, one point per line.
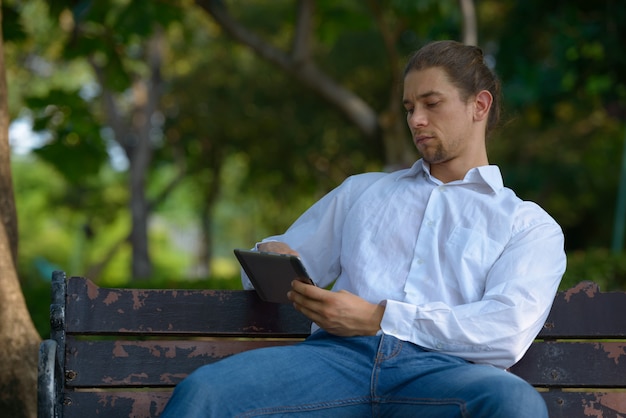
pixel 120 352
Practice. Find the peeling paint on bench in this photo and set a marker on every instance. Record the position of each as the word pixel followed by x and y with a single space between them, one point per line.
pixel 119 352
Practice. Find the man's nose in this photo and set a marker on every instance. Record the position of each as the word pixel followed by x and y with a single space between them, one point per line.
pixel 417 119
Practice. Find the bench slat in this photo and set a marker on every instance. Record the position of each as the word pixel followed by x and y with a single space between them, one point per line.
pixel 580 312
pixel 140 404
pixel 146 363
pixel 130 404
pixel 95 310
pixel 574 364
pixel 585 312
pixel 165 363
pixel 594 404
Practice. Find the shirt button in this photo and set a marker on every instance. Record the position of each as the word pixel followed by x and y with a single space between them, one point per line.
pixel 420 261
pixel 439 346
pixel 431 223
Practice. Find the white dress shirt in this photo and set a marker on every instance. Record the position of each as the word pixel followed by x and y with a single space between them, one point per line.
pixel 465 268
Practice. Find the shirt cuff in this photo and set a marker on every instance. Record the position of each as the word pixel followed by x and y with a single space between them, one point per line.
pixel 397 319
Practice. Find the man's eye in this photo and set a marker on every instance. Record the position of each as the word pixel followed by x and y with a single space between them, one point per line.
pixel 432 104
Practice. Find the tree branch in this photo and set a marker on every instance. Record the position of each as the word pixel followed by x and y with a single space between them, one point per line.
pixel 352 106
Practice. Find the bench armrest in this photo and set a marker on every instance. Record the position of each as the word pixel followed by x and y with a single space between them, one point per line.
pixel 47 377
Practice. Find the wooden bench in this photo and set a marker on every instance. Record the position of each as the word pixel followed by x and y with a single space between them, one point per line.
pixel 119 352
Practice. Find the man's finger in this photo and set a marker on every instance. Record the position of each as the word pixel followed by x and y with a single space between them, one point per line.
pixel 277 247
pixel 309 291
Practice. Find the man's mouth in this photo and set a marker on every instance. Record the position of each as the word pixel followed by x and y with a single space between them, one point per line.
pixel 421 138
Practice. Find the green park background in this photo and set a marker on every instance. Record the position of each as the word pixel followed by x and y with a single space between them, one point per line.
pixel 149 138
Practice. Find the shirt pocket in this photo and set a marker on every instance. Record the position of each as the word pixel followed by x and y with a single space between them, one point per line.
pixel 470 254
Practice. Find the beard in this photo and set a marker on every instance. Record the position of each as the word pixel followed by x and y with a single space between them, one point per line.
pixel 434 154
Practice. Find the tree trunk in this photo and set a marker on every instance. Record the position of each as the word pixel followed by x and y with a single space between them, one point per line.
pixel 207 210
pixel 399 148
pixel 470 27
pixel 134 137
pixel 140 158
pixel 20 341
pixel 147 93
pixel 7 200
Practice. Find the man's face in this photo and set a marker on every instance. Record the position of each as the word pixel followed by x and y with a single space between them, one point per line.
pixel 439 120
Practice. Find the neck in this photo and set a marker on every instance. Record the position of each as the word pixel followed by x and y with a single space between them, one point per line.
pixel 455 169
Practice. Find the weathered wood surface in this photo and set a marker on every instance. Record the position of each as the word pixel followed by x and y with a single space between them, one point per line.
pixel 574 364
pixel 146 363
pixel 164 363
pixel 95 310
pixel 123 350
pixel 585 312
pixel 585 404
pixel 140 404
pixel 148 404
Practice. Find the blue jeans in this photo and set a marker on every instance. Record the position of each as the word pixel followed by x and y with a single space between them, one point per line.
pixel 333 376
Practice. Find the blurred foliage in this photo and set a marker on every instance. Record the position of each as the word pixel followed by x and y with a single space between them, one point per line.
pixel 565 95
pixel 77 138
pixel 600 265
pixel 254 148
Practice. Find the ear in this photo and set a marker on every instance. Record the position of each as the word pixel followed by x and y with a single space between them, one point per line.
pixel 482 104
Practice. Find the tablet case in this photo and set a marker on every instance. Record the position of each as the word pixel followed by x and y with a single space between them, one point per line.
pixel 271 274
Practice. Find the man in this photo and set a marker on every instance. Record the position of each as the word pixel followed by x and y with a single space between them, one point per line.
pixel 443 278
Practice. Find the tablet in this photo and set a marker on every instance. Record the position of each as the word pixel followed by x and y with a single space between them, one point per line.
pixel 271 274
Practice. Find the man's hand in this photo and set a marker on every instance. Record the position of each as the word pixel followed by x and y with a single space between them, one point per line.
pixel 341 313
pixel 277 247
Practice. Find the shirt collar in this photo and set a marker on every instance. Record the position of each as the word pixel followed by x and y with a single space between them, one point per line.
pixel 487 175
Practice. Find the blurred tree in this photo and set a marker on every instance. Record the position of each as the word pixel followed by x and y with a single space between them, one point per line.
pixel 565 89
pixel 122 42
pixel 20 341
pixel 229 125
pixel 303 59
pixel 110 105
pixel 293 144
